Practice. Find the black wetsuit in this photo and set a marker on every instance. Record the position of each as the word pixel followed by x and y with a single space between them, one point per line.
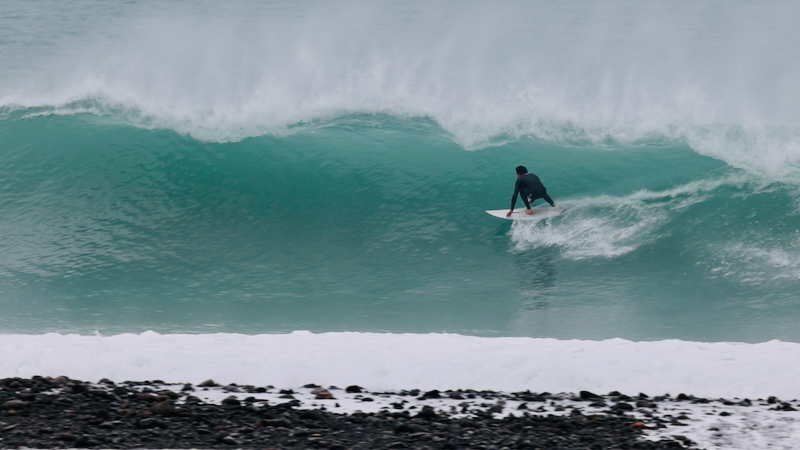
pixel 531 189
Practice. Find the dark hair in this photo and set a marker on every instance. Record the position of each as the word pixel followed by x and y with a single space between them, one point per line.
pixel 522 170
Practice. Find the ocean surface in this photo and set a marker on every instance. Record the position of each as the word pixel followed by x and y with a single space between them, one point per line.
pixel 265 167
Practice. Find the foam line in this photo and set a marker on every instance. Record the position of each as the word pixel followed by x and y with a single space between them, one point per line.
pixel 423 361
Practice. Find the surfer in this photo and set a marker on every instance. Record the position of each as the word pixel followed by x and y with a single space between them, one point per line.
pixel 530 187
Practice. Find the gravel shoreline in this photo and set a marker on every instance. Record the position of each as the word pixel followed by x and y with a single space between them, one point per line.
pixel 63 413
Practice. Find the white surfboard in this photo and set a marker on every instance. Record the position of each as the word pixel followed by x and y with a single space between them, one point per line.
pixel 520 214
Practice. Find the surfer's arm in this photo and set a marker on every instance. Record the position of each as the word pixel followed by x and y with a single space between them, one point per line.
pixel 514 200
pixel 514 197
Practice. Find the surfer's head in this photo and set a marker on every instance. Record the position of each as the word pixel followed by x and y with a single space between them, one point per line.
pixel 521 170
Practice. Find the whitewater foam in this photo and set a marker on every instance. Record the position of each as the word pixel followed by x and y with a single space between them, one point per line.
pixel 609 226
pixel 423 361
pixel 751 264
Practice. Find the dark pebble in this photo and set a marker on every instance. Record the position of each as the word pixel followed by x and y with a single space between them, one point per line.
pixel 586 395
pixel 622 406
pixel 431 394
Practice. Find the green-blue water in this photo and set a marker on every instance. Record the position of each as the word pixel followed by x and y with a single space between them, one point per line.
pixel 152 179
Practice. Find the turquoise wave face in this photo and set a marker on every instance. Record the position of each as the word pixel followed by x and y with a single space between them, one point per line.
pixel 374 223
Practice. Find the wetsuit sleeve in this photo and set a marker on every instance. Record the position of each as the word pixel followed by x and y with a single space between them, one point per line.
pixel 514 197
pixel 523 195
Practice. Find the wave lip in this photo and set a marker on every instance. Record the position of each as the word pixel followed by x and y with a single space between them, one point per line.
pixel 423 361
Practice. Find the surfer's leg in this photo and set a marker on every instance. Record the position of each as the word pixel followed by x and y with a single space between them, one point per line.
pixel 548 199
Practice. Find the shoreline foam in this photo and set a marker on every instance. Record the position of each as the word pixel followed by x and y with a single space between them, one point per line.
pixel 421 361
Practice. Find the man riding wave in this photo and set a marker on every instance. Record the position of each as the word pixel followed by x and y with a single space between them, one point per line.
pixel 530 187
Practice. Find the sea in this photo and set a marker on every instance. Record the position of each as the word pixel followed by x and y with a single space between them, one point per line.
pixel 239 178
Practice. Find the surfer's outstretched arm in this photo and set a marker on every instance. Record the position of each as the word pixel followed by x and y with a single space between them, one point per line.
pixel 514 200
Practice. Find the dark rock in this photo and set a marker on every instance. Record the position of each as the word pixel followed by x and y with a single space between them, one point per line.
pixel 147 397
pixel 322 394
pixel 427 412
pixel 353 389
pixel 420 436
pixel 165 408
pixel 146 423
pixel 228 440
pixel 410 428
pixel 169 394
pixel 622 406
pixel 586 395
pixel 290 404
pixel 84 442
pixel 150 422
pixel 16 404
pixel 68 437
pixel 495 409
pixel 232 401
pixel 309 415
pixel 208 383
pixel 431 394
pixel 278 423
pixel 79 388
pixel 772 399
pixel 120 391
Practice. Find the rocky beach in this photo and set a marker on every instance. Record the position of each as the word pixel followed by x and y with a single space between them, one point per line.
pixel 45 412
